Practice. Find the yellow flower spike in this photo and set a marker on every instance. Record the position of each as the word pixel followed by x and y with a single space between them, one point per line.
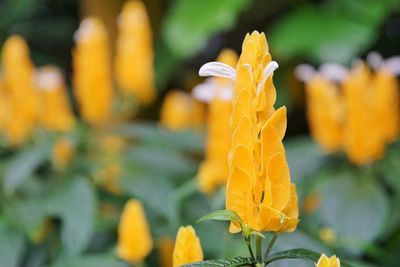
pixel 134 239
pixel 92 73
pixel 165 251
pixel 134 53
pixel 187 247
pixel 55 111
pixel 23 103
pixel 63 151
pixel 258 188
pixel 214 170
pixel 387 103
pixel 364 141
pixel 325 113
pixel 180 111
pixel 324 261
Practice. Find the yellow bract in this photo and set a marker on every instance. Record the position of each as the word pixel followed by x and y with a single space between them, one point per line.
pixel 134 52
pixel 360 116
pixel 325 113
pixel 62 153
pixel 134 239
pixel 214 169
pixel 21 100
pixel 324 261
pixel 55 111
pixel 259 189
pixel 187 247
pixel 92 72
pixel 165 251
pixel 180 111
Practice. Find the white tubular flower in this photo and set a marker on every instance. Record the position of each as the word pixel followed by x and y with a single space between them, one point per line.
pixel 268 71
pixel 375 60
pixel 333 71
pixel 393 64
pixel 304 72
pixel 218 69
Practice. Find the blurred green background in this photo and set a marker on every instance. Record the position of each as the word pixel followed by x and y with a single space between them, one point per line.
pixel 362 211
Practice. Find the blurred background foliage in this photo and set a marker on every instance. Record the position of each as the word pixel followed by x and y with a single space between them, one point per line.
pixel 59 218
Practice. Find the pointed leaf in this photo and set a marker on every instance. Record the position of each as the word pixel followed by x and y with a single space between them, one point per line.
pixel 238 261
pixel 221 215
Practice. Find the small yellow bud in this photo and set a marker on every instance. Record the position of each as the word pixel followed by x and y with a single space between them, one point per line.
pixel 327 235
pixel 324 261
pixel 187 247
pixel 134 238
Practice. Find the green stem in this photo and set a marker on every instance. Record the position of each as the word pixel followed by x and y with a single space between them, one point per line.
pixel 249 247
pixel 258 248
pixel 140 264
pixel 270 245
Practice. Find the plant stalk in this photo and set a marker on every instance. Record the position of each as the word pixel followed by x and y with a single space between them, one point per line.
pixel 258 249
pixel 270 245
pixel 249 247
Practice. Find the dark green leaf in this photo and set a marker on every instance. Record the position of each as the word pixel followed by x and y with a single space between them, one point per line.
pixel 153 134
pixel 11 246
pixel 91 261
pixel 75 204
pixel 300 253
pixel 155 192
pixel 221 215
pixel 356 207
pixel 23 166
pixel 239 261
pixel 304 32
pixel 190 23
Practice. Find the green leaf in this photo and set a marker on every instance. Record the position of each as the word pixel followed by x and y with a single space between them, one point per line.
pixel 11 246
pixel 355 207
pixel 155 192
pixel 221 215
pixel 161 161
pixel 300 253
pixel 304 156
pixel 190 23
pixel 321 35
pixel 238 261
pixel 23 166
pixel 75 204
pixel 91 261
pixel 26 215
pixel 154 135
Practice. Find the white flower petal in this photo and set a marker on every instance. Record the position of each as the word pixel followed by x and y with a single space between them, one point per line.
pixel 268 70
pixel 218 69
pixel 393 64
pixel 374 60
pixel 304 72
pixel 333 71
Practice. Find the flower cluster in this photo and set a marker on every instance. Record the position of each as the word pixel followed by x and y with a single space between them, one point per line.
pixel 355 110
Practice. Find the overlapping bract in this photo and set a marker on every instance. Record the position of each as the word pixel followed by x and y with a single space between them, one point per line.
pixel 360 115
pixel 180 111
pixel 134 239
pixel 324 261
pixel 92 73
pixel 187 247
pixel 259 189
pixel 134 53
pixel 214 171
pixel 55 111
pixel 20 101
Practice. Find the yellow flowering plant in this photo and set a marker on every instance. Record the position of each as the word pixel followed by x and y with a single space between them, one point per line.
pixel 260 196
